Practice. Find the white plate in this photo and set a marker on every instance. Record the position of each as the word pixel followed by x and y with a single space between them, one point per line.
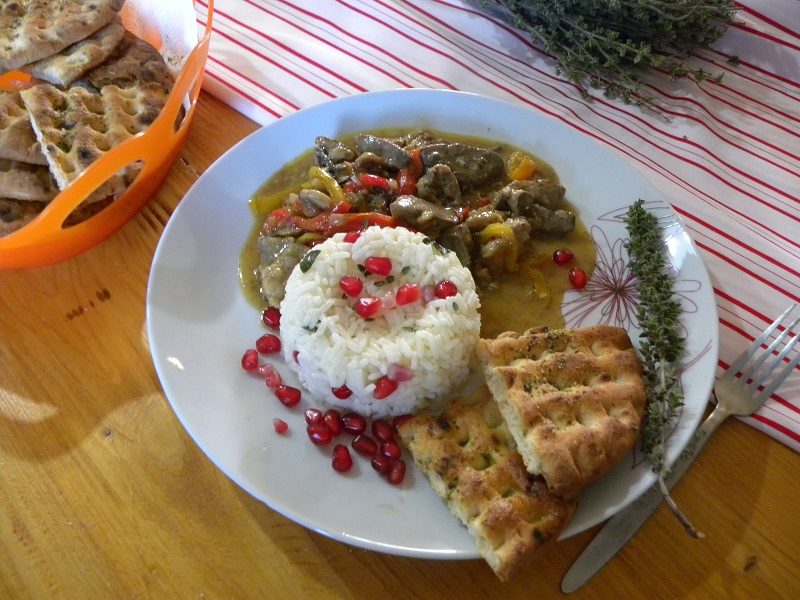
pixel 199 323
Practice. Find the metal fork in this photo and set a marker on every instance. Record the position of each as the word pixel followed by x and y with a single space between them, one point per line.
pixel 741 390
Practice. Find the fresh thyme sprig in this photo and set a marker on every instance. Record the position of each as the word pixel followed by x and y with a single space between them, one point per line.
pixel 661 343
pixel 610 44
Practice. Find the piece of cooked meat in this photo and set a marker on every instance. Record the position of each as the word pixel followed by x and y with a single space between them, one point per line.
pixel 472 166
pixel 426 217
pixel 468 455
pixel 572 399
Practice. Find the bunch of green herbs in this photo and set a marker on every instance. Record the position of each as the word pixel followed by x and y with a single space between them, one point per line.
pixel 610 44
pixel 661 344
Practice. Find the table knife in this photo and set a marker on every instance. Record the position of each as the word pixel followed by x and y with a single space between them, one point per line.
pixel 621 527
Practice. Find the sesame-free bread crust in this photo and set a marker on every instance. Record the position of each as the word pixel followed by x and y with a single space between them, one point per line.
pixel 17 139
pixel 468 456
pixel 65 67
pixel 33 29
pixel 24 181
pixel 573 399
pixel 75 127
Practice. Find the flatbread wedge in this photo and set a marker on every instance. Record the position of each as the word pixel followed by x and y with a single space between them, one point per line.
pixel 24 181
pixel 17 139
pixel 573 400
pixel 76 126
pixel 468 455
pixel 65 67
pixel 134 62
pixel 15 214
pixel 33 29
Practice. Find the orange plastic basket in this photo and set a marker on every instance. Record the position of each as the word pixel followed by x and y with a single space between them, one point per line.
pixel 45 240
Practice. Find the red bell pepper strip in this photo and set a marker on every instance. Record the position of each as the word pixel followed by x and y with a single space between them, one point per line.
pixel 407 177
pixel 358 221
pixel 369 180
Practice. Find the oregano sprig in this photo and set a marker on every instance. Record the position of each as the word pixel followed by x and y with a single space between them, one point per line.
pixel 661 341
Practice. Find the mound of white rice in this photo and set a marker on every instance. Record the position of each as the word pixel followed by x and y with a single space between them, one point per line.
pixel 431 340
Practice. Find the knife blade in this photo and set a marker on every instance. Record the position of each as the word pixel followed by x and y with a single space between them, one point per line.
pixel 621 527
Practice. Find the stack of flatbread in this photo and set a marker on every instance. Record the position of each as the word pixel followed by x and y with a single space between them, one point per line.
pixel 94 86
pixel 561 409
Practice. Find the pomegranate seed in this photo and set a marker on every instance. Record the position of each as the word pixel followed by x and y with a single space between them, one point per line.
pixel 364 445
pixel 408 293
pixel 428 293
pixel 351 236
pixel 398 421
pixel 577 277
pixel 265 370
pixel 397 472
pixel 378 265
pixel 319 434
pixel 381 464
pixel 398 372
pixel 288 395
pixel 366 308
pixel 342 392
pixel 313 416
pixel 342 461
pixel 333 419
pixel 250 360
pixel 271 317
pixel 280 425
pixel 562 256
pixel 391 450
pixel 351 285
pixel 445 289
pixel 274 380
pixel 354 423
pixel 384 387
pixel 382 430
pixel 268 344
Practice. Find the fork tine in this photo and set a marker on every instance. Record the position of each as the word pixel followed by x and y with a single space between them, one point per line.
pixel 763 356
pixel 745 356
pixel 785 371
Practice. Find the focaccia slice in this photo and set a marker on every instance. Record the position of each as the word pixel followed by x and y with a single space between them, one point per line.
pixel 75 127
pixel 572 399
pixel 65 67
pixel 15 214
pixel 468 456
pixel 17 139
pixel 33 29
pixel 134 62
pixel 24 181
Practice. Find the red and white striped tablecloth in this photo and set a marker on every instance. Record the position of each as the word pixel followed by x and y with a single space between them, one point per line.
pixel 728 159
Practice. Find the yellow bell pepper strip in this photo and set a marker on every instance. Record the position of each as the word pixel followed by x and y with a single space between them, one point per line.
pixel 541 288
pixel 331 185
pixel 520 166
pixel 503 232
pixel 262 204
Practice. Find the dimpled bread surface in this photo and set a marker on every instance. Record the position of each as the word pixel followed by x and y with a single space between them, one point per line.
pixel 24 181
pixel 573 399
pixel 17 138
pixel 65 67
pixel 77 126
pixel 468 456
pixel 33 29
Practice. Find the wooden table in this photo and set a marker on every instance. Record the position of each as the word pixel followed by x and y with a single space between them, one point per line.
pixel 104 495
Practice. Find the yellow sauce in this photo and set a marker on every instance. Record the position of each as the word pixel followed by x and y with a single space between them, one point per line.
pixel 528 297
